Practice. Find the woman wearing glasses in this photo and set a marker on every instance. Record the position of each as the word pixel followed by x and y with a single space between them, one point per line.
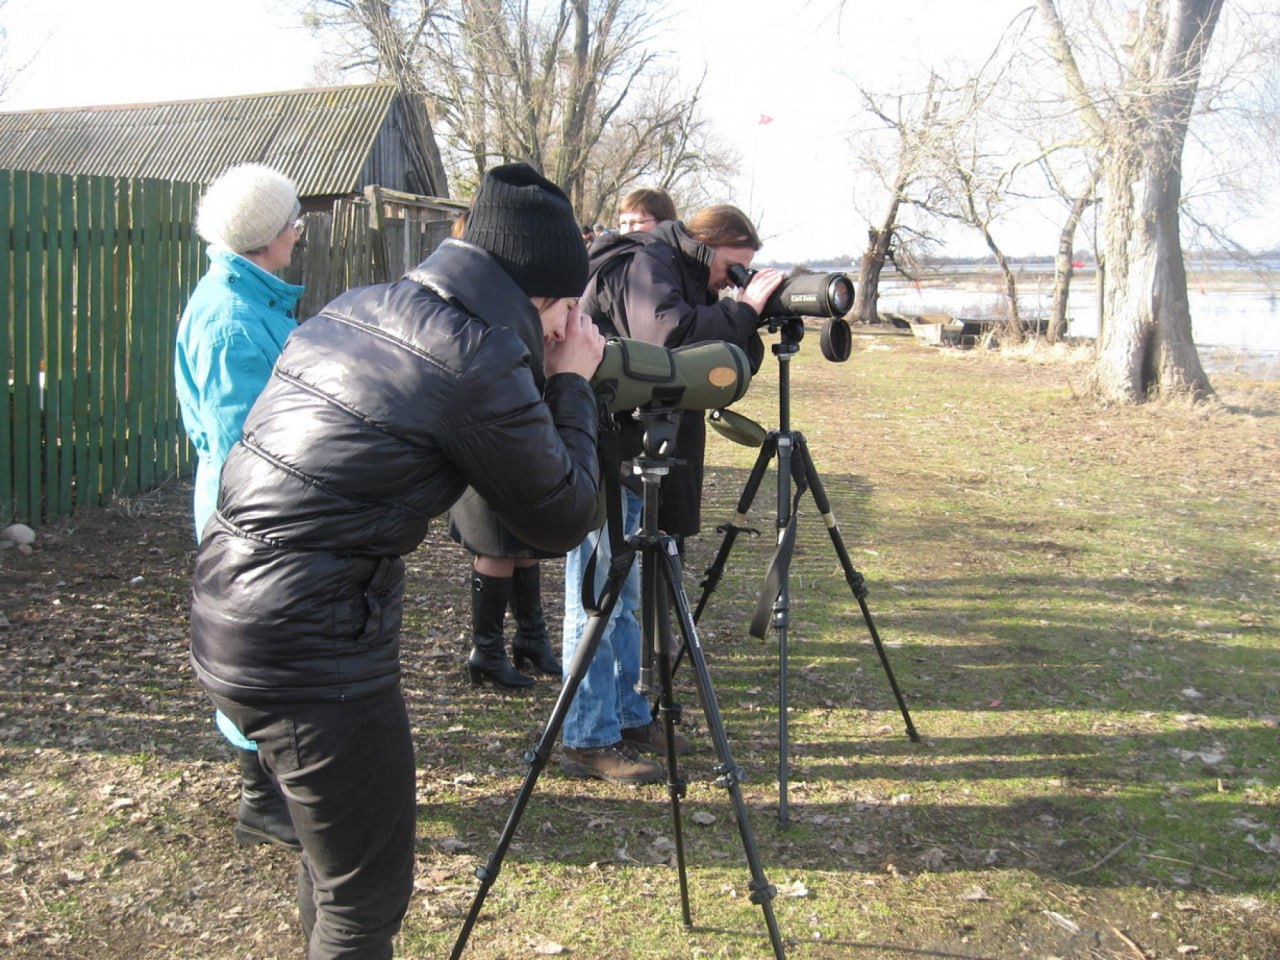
pixel 232 331
pixel 643 209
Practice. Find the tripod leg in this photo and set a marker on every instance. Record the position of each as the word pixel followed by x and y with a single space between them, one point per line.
pixel 729 774
pixel 782 609
pixel 537 757
pixel 852 576
pixel 711 579
pixel 657 631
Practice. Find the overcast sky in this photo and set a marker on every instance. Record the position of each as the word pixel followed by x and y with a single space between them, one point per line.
pixel 794 62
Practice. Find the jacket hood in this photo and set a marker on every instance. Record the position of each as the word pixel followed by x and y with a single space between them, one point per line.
pixel 695 253
pixel 470 276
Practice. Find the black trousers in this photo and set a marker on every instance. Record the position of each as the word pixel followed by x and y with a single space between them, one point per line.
pixel 346 771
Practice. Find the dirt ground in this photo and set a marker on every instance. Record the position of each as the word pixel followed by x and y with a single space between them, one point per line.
pixel 93 649
pixel 98 857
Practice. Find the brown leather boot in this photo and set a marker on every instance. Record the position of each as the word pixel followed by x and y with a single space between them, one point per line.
pixel 616 763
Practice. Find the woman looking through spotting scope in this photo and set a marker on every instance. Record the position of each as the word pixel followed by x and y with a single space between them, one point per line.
pixel 660 285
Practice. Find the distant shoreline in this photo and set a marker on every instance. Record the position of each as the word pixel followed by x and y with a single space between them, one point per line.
pixel 1261 265
pixel 987 277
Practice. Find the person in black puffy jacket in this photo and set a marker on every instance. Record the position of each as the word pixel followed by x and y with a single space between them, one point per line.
pixel 381 410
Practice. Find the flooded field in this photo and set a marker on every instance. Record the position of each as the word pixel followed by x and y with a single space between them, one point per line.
pixel 1235 311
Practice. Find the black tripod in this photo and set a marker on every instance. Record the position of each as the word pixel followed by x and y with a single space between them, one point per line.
pixel 794 463
pixel 660 579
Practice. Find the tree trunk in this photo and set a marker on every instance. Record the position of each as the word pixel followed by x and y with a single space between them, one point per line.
pixel 866 294
pixel 572 156
pixel 1064 266
pixel 1063 270
pixel 1013 331
pixel 1145 345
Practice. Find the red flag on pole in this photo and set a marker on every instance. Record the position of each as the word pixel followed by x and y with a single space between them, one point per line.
pixel 765 118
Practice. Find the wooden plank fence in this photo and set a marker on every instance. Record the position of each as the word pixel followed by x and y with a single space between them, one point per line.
pixel 370 239
pixel 93 277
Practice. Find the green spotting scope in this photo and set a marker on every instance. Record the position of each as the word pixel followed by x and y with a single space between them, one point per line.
pixel 702 376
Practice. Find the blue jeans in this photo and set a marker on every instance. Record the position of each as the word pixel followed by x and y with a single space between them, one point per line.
pixel 606 702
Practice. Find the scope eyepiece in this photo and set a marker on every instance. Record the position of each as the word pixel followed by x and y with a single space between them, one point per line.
pixel 740 275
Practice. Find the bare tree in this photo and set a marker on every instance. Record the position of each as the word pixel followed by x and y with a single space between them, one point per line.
pixel 906 178
pixel 985 156
pixel 952 163
pixel 1107 127
pixel 1145 346
pixel 660 141
pixel 547 83
pixel 976 191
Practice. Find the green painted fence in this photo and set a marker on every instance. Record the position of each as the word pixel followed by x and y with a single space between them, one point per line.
pixel 93 278
pixel 95 274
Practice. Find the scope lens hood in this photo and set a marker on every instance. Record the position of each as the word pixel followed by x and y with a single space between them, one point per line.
pixel 836 340
pixel 737 428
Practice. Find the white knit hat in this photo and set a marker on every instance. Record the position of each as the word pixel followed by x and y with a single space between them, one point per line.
pixel 246 207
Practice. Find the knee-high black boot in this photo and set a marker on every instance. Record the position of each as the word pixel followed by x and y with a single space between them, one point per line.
pixel 489 598
pixel 531 643
pixel 262 816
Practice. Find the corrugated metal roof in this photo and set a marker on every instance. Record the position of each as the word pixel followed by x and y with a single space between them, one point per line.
pixel 319 137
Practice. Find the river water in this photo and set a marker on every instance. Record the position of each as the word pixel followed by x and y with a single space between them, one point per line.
pixel 1235 309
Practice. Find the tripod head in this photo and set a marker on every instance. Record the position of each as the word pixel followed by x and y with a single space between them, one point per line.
pixel 836 339
pixel 661 423
pixel 791 330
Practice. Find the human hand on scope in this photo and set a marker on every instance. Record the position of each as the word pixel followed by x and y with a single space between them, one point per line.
pixel 760 288
pixel 578 351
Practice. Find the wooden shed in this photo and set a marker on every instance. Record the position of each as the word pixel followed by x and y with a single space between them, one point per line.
pixel 332 141
pixel 357 154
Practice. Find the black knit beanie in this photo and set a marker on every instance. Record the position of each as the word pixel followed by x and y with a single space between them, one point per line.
pixel 526 222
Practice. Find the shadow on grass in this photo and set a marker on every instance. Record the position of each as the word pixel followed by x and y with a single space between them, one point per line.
pixel 1074 724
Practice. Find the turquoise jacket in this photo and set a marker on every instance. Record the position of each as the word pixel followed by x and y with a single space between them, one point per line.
pixel 231 333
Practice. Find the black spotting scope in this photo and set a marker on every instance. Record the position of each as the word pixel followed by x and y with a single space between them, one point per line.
pixel 828 295
pixel 802 294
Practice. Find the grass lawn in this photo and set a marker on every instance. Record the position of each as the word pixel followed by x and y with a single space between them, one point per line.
pixel 1079 604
